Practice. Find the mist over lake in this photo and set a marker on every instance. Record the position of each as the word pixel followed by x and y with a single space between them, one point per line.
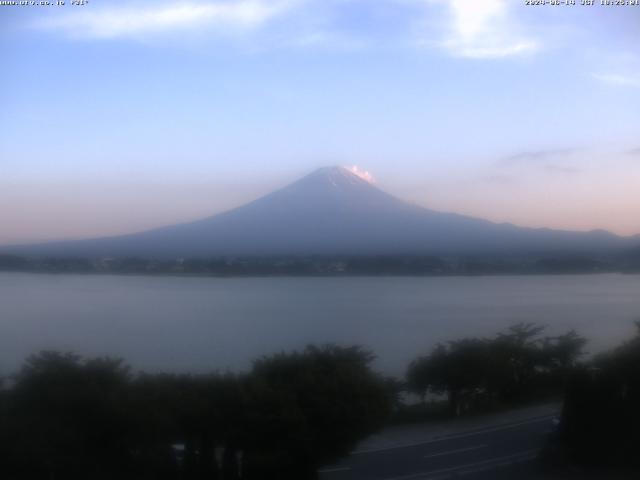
pixel 202 324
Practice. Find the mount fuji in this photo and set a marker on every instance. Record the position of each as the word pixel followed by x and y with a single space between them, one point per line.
pixel 334 211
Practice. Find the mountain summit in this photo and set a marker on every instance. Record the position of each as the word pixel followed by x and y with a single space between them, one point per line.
pixel 334 211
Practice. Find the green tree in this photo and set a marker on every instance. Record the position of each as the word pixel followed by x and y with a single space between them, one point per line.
pixel 457 369
pixel 600 420
pixel 311 407
pixel 514 366
pixel 67 418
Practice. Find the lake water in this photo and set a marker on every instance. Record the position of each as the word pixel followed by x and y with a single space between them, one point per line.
pixel 201 324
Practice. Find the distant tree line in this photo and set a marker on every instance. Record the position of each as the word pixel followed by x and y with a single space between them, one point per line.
pixel 316 265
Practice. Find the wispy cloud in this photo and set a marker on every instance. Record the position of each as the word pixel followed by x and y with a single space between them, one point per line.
pixel 536 156
pixel 634 152
pixel 483 29
pixel 618 80
pixel 552 162
pixel 116 22
pixel 561 169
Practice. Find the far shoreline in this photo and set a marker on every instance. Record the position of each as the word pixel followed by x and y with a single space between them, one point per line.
pixel 324 276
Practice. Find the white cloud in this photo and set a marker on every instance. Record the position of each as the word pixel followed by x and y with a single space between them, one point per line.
pixel 483 29
pixel 115 22
pixel 618 80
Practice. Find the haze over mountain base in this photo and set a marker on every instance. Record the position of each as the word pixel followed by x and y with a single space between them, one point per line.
pixel 334 211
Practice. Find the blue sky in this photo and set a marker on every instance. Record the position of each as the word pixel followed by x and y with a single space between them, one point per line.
pixel 120 116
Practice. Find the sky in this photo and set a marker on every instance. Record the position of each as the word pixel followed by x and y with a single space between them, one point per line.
pixel 119 116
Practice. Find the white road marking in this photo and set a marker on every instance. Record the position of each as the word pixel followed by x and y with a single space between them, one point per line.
pixel 471 467
pixel 456 436
pixel 332 470
pixel 510 460
pixel 459 450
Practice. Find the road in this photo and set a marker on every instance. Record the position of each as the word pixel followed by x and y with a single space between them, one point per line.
pixel 493 450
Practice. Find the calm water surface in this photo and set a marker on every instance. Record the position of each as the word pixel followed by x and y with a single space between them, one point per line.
pixel 200 324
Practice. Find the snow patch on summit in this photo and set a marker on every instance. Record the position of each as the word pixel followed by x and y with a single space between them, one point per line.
pixel 363 174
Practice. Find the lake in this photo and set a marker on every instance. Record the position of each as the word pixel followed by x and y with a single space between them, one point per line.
pixel 201 324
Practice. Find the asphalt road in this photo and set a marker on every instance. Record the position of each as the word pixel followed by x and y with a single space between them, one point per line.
pixel 497 451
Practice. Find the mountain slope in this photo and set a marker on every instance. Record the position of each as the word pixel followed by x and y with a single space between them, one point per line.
pixel 333 211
